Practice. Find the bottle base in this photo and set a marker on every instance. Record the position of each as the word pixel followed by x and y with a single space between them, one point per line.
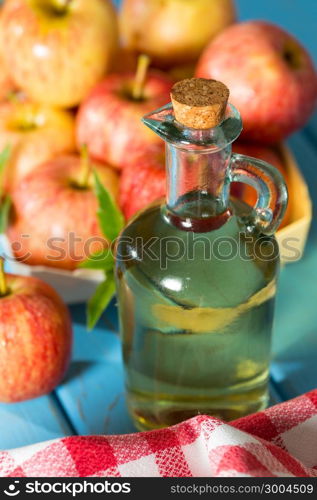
pixel 149 414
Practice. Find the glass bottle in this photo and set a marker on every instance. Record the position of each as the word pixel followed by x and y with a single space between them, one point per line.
pixel 196 279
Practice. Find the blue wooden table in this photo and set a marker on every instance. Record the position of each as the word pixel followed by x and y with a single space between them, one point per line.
pixel 91 398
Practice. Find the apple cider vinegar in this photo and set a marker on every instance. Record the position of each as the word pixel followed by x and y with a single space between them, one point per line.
pixel 196 279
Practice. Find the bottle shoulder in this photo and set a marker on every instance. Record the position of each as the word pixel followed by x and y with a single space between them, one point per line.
pixel 153 222
pixel 227 263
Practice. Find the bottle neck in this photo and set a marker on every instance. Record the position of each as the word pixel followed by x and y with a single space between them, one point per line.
pixel 198 184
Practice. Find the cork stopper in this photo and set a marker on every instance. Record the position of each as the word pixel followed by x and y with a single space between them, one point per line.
pixel 199 103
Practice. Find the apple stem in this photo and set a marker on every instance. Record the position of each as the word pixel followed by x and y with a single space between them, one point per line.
pixel 85 167
pixel 140 77
pixel 3 283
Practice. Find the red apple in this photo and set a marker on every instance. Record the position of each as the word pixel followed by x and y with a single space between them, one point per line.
pixel 270 155
pixel 173 31
pixel 109 120
pixel 35 134
pixel 57 50
pixel 35 338
pixel 55 220
pixel 271 78
pixel 143 182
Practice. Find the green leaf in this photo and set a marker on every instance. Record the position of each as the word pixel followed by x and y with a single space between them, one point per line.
pixel 110 218
pixel 111 222
pixel 103 260
pixel 99 301
pixel 4 158
pixel 5 209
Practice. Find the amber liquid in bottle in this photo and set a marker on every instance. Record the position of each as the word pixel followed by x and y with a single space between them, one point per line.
pixel 197 329
pixel 196 280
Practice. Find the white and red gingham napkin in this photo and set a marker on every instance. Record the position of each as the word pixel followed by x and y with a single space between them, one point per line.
pixel 278 442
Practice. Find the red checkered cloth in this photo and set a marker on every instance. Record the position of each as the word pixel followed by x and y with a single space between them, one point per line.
pixel 278 442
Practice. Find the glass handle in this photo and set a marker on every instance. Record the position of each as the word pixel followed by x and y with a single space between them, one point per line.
pixel 270 186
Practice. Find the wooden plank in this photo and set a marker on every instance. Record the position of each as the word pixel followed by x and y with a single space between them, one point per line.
pixel 275 396
pixel 93 393
pixel 26 423
pixel 295 341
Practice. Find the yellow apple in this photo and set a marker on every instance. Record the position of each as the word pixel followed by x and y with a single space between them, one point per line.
pixel 6 83
pixel 173 31
pixel 35 133
pixel 57 50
